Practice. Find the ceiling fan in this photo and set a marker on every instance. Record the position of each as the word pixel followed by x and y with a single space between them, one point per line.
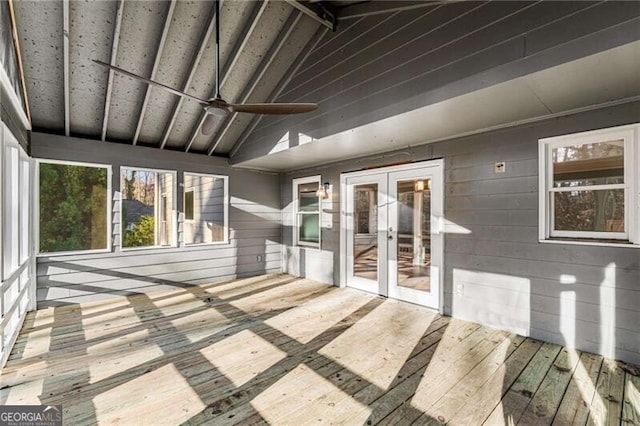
pixel 216 106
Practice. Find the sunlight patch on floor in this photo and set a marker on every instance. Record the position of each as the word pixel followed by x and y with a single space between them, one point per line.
pixel 191 327
pixel 117 342
pixel 27 393
pixel 378 345
pixel 94 326
pixel 305 397
pixel 281 297
pixel 632 393
pixel 243 356
pixel 311 319
pixel 586 387
pixel 37 344
pixel 171 401
pixel 117 363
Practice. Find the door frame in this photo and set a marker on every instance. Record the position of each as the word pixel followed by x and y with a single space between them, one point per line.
pixel 438 224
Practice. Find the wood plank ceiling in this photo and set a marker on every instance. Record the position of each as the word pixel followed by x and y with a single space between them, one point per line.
pixel 170 41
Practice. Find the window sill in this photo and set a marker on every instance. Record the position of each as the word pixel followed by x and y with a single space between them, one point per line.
pixel 309 246
pixel 73 253
pixel 603 243
pixel 151 248
pixel 213 243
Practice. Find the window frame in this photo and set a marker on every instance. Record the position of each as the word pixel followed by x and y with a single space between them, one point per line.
pixel 36 207
pixel 631 186
pixel 156 207
pixel 296 223
pixel 225 180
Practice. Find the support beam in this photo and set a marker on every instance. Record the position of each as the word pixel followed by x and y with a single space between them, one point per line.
pixel 244 38
pixel 280 41
pixel 156 64
pixel 309 48
pixel 316 11
pixel 65 63
pixel 114 56
pixel 202 44
pixel 16 42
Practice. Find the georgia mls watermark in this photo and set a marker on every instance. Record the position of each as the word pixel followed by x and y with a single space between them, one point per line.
pixel 31 415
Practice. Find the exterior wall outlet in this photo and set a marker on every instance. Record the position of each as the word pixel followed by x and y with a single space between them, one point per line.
pixel 500 167
pixel 459 289
pixel 259 258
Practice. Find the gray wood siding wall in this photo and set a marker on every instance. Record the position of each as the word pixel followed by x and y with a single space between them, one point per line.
pixel 383 65
pixel 498 273
pixel 254 223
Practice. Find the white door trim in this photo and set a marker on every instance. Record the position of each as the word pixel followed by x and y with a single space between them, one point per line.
pixel 437 225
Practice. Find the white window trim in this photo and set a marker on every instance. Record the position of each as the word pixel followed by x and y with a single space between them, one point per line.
pixel 226 209
pixel 631 237
pixel 296 226
pixel 174 218
pixel 36 207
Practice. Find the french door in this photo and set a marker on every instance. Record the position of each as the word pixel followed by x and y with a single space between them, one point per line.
pixel 392 241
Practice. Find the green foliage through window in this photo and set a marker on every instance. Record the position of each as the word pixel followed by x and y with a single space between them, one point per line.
pixel 73 208
pixel 142 235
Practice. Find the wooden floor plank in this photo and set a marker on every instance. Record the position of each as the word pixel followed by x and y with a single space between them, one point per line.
pixel 631 404
pixel 545 402
pixel 480 405
pixel 455 399
pixel 576 403
pixel 278 349
pixel 516 400
pixel 607 402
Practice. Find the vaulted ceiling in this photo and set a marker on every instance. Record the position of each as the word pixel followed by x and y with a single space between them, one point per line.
pixel 172 42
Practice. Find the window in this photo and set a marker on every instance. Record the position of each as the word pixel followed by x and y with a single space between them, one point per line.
pixel 188 205
pixel 147 218
pixel 74 205
pixel 589 186
pixel 205 209
pixel 306 211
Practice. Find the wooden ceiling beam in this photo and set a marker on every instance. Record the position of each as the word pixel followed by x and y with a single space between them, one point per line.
pixel 276 47
pixel 65 64
pixel 114 56
pixel 244 38
pixel 300 60
pixel 154 70
pixel 202 44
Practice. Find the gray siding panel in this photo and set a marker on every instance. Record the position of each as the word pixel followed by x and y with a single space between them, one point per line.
pixel 498 273
pixel 254 224
pixel 415 58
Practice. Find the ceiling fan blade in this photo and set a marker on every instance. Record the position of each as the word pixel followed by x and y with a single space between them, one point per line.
pixel 154 83
pixel 273 108
pixel 209 124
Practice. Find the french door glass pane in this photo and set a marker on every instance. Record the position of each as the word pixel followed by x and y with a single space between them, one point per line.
pixel 595 211
pixel 365 235
pixel 414 232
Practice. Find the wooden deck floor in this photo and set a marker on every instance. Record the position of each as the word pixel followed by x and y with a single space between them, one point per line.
pixel 281 350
